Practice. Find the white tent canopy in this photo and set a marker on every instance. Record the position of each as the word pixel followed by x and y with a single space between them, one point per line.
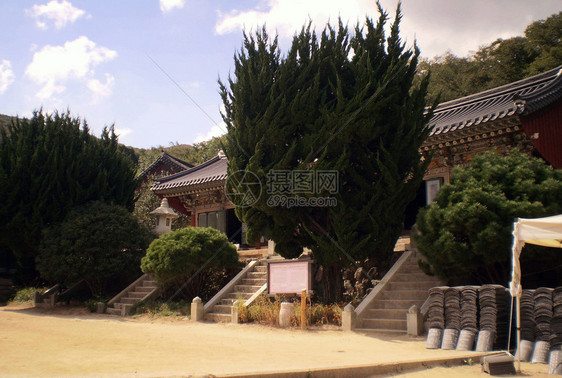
pixel 540 231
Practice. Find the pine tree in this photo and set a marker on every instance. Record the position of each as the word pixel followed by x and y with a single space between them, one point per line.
pixel 344 103
pixel 48 165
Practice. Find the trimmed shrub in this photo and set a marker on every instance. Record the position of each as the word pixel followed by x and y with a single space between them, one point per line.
pixel 196 259
pixel 99 243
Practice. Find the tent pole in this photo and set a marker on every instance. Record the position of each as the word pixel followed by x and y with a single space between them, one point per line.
pixel 518 325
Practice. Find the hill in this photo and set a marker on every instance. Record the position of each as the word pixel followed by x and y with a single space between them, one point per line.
pixel 5 120
pixel 194 154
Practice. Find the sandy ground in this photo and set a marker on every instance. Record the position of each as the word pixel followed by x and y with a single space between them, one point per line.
pixel 72 342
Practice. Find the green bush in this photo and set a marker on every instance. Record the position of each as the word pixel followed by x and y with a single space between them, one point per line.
pixel 97 242
pixel 26 294
pixel 465 234
pixel 202 258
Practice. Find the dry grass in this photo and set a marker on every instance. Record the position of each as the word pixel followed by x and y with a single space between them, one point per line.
pixel 266 311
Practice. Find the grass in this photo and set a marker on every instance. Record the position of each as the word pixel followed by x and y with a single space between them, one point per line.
pixel 25 294
pixel 161 309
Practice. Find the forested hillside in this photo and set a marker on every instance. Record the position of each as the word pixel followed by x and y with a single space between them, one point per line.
pixel 502 62
pixel 194 154
pixel 5 121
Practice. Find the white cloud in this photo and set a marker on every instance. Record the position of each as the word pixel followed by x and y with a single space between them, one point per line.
pixel 168 5
pixel 102 89
pixel 58 13
pixel 7 76
pixel 457 25
pixel 216 130
pixel 53 66
pixel 288 16
pixel 123 132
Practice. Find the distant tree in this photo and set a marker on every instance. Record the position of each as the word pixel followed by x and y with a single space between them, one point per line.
pixel 175 258
pixel 342 102
pixel 465 234
pixel 451 77
pixel 194 154
pixel 546 38
pixel 504 61
pixel 501 62
pixel 147 201
pixel 48 165
pixel 96 242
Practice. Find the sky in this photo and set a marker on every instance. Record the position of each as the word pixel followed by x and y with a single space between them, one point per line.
pixel 150 67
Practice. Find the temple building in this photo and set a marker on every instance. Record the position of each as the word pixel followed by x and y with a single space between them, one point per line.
pixel 165 165
pixel 526 115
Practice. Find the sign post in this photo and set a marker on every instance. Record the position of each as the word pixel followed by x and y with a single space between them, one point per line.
pixel 303 309
pixel 289 277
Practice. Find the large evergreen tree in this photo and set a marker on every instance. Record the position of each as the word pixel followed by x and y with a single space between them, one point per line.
pixel 343 103
pixel 48 165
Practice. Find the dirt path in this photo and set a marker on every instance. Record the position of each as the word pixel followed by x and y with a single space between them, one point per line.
pixel 36 342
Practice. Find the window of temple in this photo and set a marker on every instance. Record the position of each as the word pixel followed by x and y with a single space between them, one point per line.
pixel 432 187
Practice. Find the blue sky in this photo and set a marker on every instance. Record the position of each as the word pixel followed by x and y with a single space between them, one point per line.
pixel 151 66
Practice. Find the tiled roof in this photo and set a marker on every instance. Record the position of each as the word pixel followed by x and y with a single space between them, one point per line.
pixel 208 172
pixel 169 160
pixel 523 96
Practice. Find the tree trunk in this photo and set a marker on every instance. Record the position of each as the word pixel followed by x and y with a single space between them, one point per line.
pixel 331 286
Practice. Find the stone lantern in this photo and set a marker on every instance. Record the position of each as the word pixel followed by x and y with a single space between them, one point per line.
pixel 164 216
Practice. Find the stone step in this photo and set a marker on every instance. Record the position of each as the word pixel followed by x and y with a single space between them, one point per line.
pixel 386 313
pixel 253 281
pixel 405 294
pixel 258 275
pixel 396 303
pixel 410 268
pixel 222 309
pixel 260 268
pixel 414 277
pixel 226 302
pixel 137 294
pixel 371 331
pixel 219 318
pixel 127 300
pixel 238 295
pixel 399 324
pixel 152 283
pixel 144 289
pixel 247 288
pixel 113 311
pixel 410 285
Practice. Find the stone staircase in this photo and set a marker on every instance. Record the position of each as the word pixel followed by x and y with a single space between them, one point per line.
pixel 246 286
pixel 405 285
pixel 142 289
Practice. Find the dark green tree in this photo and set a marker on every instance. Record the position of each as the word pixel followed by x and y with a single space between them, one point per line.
pixel 96 242
pixel 465 234
pixel 195 257
pixel 344 103
pixel 48 165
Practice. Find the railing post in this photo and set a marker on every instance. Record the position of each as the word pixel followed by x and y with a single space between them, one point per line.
pixel 197 312
pixel 235 311
pixel 414 321
pixel 348 318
